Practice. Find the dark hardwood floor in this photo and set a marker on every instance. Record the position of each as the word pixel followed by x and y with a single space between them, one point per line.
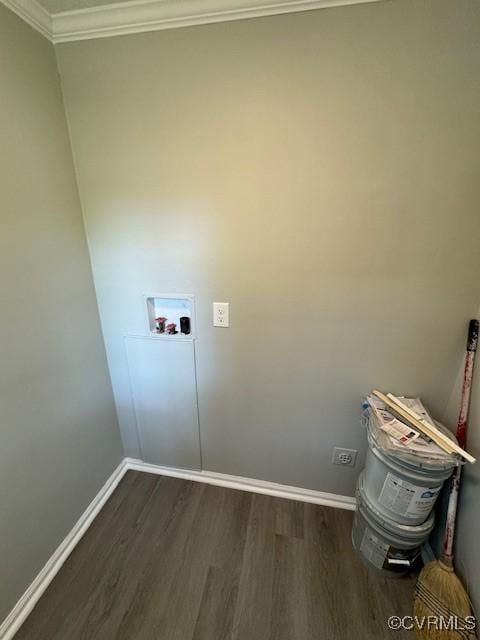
pixel 170 559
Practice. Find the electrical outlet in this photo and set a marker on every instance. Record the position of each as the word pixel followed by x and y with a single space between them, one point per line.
pixel 221 314
pixel 344 457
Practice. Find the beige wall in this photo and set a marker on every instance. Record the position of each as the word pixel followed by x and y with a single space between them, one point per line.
pixel 59 439
pixel 320 171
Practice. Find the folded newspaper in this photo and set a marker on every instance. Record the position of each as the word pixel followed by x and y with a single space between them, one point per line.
pixel 402 436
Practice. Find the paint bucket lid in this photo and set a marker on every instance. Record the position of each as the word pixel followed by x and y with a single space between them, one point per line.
pixel 409 460
pixel 411 532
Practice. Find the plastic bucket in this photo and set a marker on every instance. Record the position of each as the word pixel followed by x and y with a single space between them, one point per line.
pixel 384 545
pixel 403 488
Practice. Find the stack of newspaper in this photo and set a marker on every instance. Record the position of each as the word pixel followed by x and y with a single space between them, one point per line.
pixel 397 435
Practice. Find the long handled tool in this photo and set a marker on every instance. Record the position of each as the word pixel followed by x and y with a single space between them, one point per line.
pixel 439 592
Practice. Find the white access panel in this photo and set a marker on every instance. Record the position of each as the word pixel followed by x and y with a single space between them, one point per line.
pixel 162 374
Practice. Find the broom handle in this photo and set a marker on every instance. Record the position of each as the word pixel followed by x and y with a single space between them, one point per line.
pixel 451 517
pixel 472 342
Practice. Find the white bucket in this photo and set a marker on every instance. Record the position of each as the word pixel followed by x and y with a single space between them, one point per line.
pixel 384 545
pixel 403 488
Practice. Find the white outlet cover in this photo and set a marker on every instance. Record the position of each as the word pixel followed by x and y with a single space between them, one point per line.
pixel 221 314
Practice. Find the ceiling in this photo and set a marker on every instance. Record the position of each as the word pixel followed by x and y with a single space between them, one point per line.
pixel 67 20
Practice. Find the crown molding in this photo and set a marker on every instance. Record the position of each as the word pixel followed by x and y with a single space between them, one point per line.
pixel 34 14
pixel 151 15
pixel 135 16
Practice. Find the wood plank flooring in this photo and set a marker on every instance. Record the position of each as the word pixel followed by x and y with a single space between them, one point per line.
pixel 169 559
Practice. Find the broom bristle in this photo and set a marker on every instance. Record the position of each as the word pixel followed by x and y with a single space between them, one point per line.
pixel 440 593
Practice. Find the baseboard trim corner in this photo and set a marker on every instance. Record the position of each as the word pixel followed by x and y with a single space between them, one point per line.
pixel 32 595
pixel 247 484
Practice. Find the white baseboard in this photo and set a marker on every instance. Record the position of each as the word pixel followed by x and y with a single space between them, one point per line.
pixel 248 484
pixel 32 595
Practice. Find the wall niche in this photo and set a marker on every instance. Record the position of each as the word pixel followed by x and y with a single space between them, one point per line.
pixel 170 316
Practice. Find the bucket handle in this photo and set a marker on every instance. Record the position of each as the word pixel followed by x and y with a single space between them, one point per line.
pixel 405 563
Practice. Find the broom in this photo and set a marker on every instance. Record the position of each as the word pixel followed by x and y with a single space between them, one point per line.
pixel 442 607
